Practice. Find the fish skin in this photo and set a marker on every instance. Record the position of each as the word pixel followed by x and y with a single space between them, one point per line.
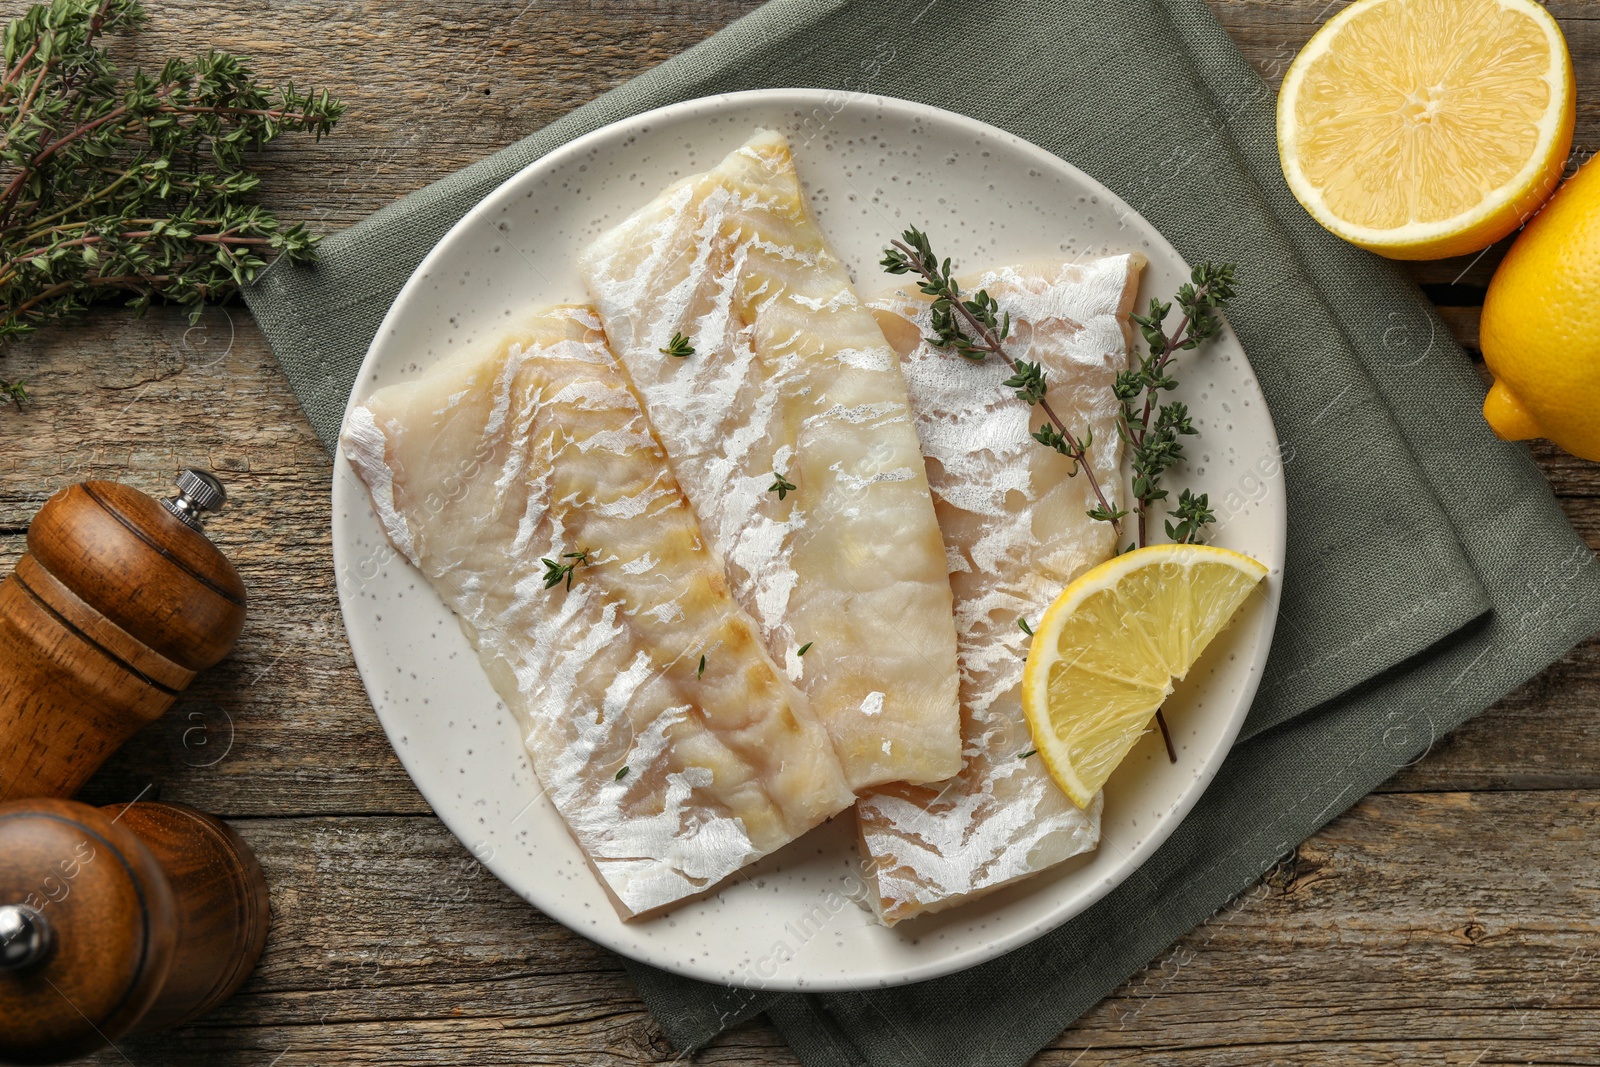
pixel 1016 532
pixel 534 447
pixel 791 374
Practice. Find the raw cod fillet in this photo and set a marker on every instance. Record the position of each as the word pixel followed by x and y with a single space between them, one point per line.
pixel 791 376
pixel 1016 533
pixel 668 779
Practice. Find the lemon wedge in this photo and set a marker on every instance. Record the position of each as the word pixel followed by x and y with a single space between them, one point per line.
pixel 1421 129
pixel 1105 655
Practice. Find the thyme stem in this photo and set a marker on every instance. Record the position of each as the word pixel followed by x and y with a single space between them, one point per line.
pixel 1166 735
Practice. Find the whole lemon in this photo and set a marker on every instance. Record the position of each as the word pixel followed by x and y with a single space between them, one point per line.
pixel 1541 324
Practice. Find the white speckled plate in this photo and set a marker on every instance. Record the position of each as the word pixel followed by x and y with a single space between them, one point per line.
pixel 872 167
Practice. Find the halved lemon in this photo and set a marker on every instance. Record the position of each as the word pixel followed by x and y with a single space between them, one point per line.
pixel 1421 129
pixel 1105 655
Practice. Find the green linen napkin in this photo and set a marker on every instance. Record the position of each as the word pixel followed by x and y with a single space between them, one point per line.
pixel 1429 569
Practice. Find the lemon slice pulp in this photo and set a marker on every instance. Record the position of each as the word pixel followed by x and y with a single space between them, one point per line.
pixel 1421 129
pixel 1105 655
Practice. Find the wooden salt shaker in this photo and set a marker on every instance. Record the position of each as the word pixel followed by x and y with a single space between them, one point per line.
pixel 118 920
pixel 118 602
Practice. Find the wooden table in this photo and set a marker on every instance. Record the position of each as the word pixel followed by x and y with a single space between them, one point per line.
pixel 1450 918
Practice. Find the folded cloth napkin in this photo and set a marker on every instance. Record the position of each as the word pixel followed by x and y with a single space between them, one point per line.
pixel 1429 569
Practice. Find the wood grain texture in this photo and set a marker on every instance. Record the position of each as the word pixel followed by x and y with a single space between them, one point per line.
pixel 1449 919
pixel 1399 934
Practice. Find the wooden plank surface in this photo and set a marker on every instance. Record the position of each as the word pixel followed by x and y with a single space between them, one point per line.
pixel 1448 919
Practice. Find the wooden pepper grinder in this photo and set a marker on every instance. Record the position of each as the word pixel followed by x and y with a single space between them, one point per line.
pixel 118 920
pixel 118 601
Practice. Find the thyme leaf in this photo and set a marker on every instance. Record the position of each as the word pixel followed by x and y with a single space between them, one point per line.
pixel 1194 514
pixel 679 347
pixel 1028 382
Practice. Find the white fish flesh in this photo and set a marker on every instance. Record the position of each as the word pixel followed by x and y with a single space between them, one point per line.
pixel 1016 532
pixel 791 377
pixel 672 772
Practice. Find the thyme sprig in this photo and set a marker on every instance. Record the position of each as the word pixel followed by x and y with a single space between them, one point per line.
pixel 131 186
pixel 1153 430
pixel 1194 514
pixel 679 347
pixel 975 328
pixel 556 573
